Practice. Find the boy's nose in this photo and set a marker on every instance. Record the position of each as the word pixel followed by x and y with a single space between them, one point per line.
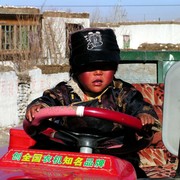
pixel 98 72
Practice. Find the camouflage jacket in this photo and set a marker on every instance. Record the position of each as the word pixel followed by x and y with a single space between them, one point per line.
pixel 119 96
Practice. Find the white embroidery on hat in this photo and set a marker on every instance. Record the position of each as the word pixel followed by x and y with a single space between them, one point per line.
pixel 94 40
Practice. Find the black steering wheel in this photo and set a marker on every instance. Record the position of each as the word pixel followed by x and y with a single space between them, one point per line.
pixel 85 141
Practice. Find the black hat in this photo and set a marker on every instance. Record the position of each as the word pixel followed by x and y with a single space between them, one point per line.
pixel 93 45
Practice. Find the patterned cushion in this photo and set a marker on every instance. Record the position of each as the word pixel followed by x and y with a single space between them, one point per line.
pixel 155 159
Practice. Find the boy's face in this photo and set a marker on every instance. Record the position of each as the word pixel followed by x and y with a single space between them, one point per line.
pixel 95 79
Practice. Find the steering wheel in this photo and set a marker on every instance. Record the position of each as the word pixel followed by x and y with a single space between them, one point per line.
pixel 86 142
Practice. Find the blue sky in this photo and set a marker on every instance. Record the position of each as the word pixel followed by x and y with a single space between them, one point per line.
pixel 137 10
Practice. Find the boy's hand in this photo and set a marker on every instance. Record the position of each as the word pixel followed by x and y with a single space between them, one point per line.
pixel 32 110
pixel 147 122
pixel 146 119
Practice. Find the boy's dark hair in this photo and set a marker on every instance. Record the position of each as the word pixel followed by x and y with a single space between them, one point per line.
pixel 93 45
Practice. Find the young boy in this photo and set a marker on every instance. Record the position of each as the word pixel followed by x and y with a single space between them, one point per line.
pixel 94 59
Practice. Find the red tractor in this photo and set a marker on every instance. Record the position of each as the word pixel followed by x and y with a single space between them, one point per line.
pixel 20 161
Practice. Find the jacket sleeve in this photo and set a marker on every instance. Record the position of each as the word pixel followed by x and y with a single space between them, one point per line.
pixel 135 104
pixel 50 97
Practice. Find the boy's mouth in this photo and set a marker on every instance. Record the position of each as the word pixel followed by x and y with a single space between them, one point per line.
pixel 97 82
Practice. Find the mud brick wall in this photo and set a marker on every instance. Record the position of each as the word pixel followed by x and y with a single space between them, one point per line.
pixel 15 94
